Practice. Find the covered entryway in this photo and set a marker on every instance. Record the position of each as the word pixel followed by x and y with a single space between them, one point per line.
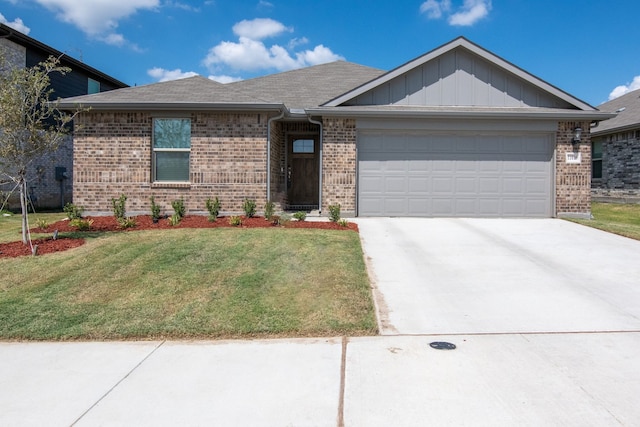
pixel 455 174
pixel 303 172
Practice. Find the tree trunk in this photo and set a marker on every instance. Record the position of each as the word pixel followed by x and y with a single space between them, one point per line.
pixel 24 206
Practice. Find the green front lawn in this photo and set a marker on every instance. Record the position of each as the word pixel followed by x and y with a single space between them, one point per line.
pixel 189 283
pixel 623 219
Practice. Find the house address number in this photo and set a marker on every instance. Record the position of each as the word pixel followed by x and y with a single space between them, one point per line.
pixel 574 158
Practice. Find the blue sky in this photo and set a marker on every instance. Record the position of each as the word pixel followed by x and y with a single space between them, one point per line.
pixel 588 48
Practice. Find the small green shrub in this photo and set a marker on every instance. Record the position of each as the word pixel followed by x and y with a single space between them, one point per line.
pixel 178 208
pixel 236 221
pixel 42 223
pixel 269 209
pixel 249 208
pixel 300 215
pixel 155 210
pixel 73 211
pixel 213 206
pixel 118 206
pixel 343 223
pixel 334 212
pixel 81 224
pixel 127 223
pixel 174 219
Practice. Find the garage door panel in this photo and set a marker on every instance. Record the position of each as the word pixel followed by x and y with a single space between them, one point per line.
pixel 395 184
pixel 429 174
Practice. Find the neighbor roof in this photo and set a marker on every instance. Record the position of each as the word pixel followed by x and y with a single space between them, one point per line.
pixel 310 86
pixel 24 40
pixel 627 108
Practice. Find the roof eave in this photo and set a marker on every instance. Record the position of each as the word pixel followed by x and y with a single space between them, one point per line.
pixel 598 132
pixel 448 113
pixel 170 106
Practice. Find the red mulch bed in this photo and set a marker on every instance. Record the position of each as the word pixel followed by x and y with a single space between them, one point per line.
pixel 109 223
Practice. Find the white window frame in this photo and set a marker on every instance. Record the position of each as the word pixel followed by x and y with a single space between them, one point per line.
pixel 154 151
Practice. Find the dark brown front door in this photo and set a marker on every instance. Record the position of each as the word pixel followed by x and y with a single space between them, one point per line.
pixel 303 176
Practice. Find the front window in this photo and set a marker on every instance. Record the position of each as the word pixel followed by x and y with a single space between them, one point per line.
pixel 171 148
pixel 596 159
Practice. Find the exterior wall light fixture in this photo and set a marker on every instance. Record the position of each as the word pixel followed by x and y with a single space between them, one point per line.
pixel 577 134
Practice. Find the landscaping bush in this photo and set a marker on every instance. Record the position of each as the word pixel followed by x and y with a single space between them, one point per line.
pixel 73 211
pixel 300 215
pixel 213 206
pixel 155 210
pixel 269 209
pixel 334 212
pixel 249 208
pixel 178 208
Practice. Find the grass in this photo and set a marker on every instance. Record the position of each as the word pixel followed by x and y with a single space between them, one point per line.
pixel 190 283
pixel 622 219
pixel 10 226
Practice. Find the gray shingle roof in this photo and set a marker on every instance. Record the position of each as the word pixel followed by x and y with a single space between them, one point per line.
pixel 628 108
pixel 311 86
pixel 192 90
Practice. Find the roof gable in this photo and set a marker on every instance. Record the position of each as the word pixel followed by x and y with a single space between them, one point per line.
pixel 459 73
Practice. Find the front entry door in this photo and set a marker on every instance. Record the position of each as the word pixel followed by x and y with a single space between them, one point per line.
pixel 303 172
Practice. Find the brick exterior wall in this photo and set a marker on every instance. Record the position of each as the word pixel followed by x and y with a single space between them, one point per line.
pixel 620 180
pixel 573 181
pixel 112 155
pixel 339 164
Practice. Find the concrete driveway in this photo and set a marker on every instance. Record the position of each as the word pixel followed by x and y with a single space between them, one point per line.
pixel 469 276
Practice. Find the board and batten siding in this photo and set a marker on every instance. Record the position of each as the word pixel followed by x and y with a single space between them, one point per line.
pixel 459 78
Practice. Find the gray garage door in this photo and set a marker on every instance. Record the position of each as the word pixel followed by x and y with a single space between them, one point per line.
pixel 463 175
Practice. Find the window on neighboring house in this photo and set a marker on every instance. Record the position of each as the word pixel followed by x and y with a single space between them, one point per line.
pixel 93 86
pixel 596 159
pixel 303 146
pixel 171 148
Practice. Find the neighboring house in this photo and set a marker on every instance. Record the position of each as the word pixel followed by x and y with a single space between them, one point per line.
pixel 456 132
pixel 49 189
pixel 616 151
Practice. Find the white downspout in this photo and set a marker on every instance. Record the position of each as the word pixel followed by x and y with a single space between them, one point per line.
pixel 278 117
pixel 315 122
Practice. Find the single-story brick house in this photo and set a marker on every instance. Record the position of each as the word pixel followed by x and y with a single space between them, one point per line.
pixel 616 151
pixel 456 132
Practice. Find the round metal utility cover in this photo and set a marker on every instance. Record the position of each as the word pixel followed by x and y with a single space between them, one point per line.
pixel 441 345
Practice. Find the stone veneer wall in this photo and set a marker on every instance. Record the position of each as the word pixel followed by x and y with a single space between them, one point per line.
pixel 573 181
pixel 112 156
pixel 620 180
pixel 339 164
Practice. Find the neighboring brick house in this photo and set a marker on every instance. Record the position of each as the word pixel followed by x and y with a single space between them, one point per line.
pixel 616 151
pixel 457 131
pixel 23 51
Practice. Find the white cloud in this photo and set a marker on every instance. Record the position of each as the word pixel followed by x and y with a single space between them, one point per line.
pixel 259 28
pixel 96 16
pixel 249 53
pixel 113 39
pixel 624 89
pixel 468 14
pixel 225 79
pixel 16 24
pixel 162 75
pixel 295 42
pixel 434 8
pixel 472 11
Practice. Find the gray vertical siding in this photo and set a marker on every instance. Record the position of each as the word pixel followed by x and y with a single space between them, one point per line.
pixel 459 78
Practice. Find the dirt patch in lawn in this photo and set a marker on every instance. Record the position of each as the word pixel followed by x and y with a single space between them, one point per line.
pixel 109 223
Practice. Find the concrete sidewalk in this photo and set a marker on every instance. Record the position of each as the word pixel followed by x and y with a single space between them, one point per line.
pixel 489 380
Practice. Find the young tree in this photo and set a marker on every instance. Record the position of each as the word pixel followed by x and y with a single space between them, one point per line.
pixel 30 123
